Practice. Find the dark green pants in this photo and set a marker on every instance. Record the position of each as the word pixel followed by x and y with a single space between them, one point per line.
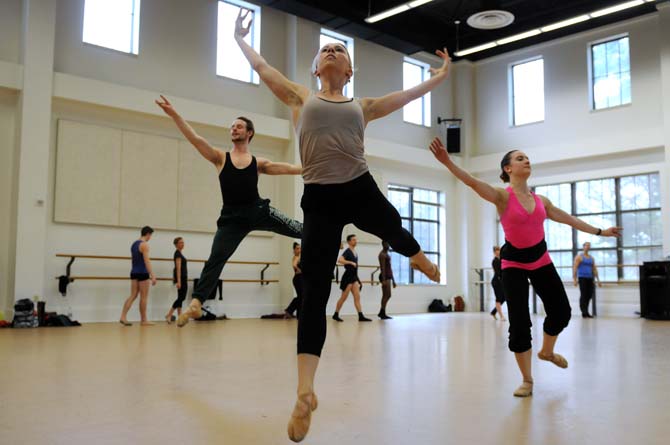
pixel 233 225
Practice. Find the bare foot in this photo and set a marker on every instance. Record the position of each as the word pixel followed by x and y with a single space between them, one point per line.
pixel 147 323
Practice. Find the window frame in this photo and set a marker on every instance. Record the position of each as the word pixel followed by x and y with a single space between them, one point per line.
pixel 439 205
pixel 591 83
pixel 426 100
pixel 134 42
pixel 255 39
pixel 349 44
pixel 511 94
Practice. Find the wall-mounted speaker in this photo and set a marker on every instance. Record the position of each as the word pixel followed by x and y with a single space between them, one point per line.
pixel 453 139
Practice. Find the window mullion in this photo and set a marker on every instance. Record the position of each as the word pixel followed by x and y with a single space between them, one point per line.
pixel 618 220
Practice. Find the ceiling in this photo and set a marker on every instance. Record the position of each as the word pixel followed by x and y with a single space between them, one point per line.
pixel 431 26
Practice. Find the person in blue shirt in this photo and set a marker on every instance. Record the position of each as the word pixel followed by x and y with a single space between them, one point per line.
pixel 584 271
pixel 141 277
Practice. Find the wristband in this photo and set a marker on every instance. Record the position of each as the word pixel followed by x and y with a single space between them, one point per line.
pixel 599 232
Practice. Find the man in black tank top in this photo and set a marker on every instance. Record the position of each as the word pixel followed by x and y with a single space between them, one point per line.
pixel 243 209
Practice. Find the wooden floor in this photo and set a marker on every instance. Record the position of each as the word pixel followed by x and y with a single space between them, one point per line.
pixel 422 379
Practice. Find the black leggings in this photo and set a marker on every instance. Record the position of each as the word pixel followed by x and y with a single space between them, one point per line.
pixel 586 291
pixel 296 303
pixel 549 286
pixel 181 294
pixel 499 293
pixel 327 209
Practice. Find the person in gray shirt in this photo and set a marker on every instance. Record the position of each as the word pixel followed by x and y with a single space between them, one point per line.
pixel 338 188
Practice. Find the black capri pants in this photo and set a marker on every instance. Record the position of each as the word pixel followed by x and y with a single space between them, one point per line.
pixel 549 288
pixel 181 294
pixel 327 209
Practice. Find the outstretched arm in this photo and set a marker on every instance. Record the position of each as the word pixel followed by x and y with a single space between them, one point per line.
pixel 492 194
pixel 277 168
pixel 558 215
pixel 291 93
pixel 374 108
pixel 204 148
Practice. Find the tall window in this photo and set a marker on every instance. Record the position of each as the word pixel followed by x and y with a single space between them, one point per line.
pixel 230 62
pixel 642 239
pixel 328 36
pixel 559 236
pixel 414 73
pixel 610 73
pixel 527 85
pixel 420 211
pixel 631 202
pixel 113 24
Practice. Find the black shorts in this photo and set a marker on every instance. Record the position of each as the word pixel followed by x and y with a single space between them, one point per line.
pixel 347 279
pixel 139 276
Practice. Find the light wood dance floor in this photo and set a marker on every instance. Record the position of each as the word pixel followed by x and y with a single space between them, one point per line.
pixel 419 379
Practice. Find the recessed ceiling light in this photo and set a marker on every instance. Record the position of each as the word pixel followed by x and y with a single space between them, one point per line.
pixel 396 10
pixel 564 23
pixel 523 35
pixel 616 8
pixel 475 49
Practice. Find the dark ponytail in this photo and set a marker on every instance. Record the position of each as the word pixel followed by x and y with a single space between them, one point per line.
pixel 505 162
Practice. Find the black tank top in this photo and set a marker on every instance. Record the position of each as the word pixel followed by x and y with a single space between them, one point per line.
pixel 239 186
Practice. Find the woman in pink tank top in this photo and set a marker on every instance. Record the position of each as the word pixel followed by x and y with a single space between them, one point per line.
pixel 525 256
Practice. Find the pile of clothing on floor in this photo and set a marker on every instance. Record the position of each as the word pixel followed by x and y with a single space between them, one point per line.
pixel 24 314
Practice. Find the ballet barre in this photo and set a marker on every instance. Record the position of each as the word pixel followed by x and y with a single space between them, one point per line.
pixel 372 281
pixel 483 283
pixel 69 278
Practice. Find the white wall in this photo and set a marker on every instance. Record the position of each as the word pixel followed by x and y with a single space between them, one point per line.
pixel 177 54
pixel 568 119
pixel 10 30
pixel 8 159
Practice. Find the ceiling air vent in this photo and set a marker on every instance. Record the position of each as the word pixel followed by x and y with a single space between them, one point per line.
pixel 491 16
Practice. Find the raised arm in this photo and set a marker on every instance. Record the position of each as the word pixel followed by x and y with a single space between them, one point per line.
pixel 144 248
pixel 494 195
pixel 374 108
pixel 558 215
pixel 204 148
pixel 268 167
pixel 290 93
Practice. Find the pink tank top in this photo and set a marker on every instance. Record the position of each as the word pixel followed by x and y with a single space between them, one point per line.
pixel 523 229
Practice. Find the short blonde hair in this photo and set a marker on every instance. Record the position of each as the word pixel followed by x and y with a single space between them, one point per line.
pixel 315 62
